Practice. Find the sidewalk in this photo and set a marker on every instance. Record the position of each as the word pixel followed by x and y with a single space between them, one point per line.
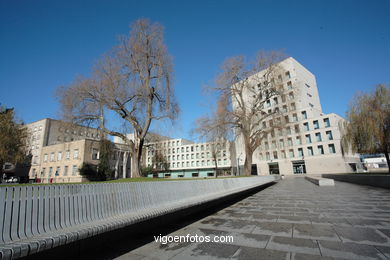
pixel 294 219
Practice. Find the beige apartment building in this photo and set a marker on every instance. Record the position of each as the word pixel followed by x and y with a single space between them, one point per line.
pixel 48 132
pixel 310 140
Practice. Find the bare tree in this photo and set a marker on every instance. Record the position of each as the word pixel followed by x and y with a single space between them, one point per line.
pixel 133 81
pixel 213 130
pixel 367 129
pixel 244 90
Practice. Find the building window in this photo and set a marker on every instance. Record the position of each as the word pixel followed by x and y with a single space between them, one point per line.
pixel 75 153
pixel 52 157
pixel 67 155
pixel 304 114
pixel 318 137
pixel 326 122
pixel 309 95
pixel 332 149
pixel 308 139
pixel 289 86
pixel 329 134
pixel 74 170
pixel 320 149
pixel 298 140
pixel 275 154
pixel 288 130
pixel 281 143
pixel 57 171
pixel 283 153
pixel 310 150
pixel 292 106
pixel 295 118
pixel 291 153
pixel 291 96
pixel 284 109
pixel 45 157
pixel 95 154
pixel 276 101
pixel 315 124
pixel 59 156
pixel 50 171
pixel 306 126
pixel 289 141
pixel 273 146
pixel 266 145
pixel 300 152
pixel 307 85
pixel 288 75
pixel 43 171
pixel 267 156
pixel 296 128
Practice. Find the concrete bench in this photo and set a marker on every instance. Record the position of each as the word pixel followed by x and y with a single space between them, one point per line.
pixel 320 181
pixel 37 218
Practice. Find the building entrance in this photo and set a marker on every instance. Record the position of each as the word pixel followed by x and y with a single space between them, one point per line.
pixel 273 168
pixel 299 167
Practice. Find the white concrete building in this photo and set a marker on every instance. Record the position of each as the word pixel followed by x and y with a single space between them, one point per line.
pixel 310 141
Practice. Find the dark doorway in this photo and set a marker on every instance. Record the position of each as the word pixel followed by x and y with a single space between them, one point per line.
pixel 273 168
pixel 254 169
pixel 299 167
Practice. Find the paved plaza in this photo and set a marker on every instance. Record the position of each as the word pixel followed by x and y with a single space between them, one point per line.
pixel 293 219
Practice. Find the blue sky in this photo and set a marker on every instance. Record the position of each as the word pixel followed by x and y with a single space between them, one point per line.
pixel 45 44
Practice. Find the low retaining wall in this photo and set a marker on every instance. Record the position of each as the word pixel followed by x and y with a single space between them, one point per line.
pixel 36 218
pixel 320 181
pixel 381 181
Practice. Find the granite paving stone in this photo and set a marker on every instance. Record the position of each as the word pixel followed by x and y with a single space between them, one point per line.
pixel 249 253
pixel 298 245
pixel 321 232
pixel 349 250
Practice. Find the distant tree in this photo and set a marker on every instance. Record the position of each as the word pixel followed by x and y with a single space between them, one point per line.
pixel 90 172
pixel 13 138
pixel 104 167
pixel 243 94
pixel 367 129
pixel 133 81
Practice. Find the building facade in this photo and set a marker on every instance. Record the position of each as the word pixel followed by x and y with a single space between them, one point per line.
pixel 186 159
pixel 47 132
pixel 309 141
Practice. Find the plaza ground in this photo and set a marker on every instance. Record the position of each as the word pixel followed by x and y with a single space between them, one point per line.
pixel 293 219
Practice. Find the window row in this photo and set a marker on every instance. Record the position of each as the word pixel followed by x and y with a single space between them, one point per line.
pixel 51 173
pixel 77 132
pixel 299 153
pixel 196 163
pixel 297 140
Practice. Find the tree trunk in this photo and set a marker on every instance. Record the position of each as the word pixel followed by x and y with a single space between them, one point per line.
pixel 387 160
pixel 216 167
pixel 135 166
pixel 248 161
pixel 136 158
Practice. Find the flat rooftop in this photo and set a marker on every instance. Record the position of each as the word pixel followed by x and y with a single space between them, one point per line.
pixel 293 219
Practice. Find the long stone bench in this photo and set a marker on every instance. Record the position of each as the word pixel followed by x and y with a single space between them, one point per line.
pixel 320 181
pixel 36 218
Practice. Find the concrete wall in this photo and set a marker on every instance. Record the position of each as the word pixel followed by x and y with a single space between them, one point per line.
pixel 381 181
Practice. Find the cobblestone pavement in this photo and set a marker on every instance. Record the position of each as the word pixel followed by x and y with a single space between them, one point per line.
pixel 293 219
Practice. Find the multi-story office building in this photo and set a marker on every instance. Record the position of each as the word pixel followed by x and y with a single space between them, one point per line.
pixel 309 141
pixel 184 158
